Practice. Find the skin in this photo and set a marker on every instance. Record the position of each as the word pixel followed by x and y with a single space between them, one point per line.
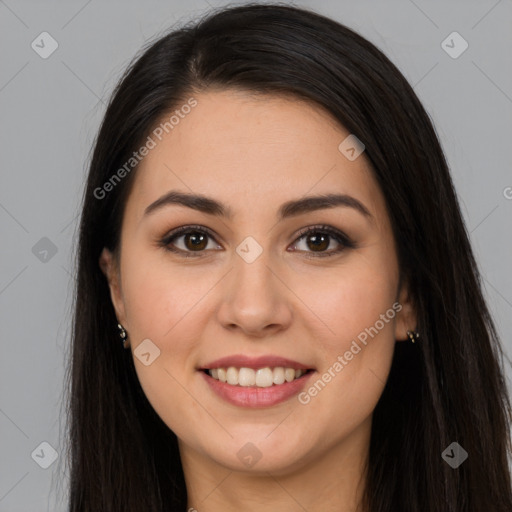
pixel 254 153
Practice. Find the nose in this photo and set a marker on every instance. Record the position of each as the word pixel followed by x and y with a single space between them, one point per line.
pixel 255 298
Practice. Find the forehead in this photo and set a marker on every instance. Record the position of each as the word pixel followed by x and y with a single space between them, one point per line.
pixel 246 149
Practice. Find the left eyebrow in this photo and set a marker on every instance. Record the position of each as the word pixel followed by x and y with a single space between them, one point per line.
pixel 288 209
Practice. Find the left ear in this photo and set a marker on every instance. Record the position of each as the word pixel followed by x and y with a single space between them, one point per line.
pixel 406 318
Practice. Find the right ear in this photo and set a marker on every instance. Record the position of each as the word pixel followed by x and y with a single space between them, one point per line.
pixel 110 269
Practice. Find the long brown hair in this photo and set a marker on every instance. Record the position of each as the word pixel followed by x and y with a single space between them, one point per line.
pixel 448 387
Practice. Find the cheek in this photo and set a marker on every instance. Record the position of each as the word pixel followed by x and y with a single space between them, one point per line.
pixel 357 307
pixel 349 300
pixel 162 304
pixel 158 297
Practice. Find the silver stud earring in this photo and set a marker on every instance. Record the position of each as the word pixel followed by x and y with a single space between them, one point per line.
pixel 123 336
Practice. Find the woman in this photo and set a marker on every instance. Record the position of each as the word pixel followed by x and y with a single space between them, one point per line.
pixel 270 228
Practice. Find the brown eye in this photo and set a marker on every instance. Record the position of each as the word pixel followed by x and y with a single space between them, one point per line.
pixel 318 242
pixel 187 240
pixel 195 240
pixel 319 239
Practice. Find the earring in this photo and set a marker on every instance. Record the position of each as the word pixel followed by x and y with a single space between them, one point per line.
pixel 413 335
pixel 123 335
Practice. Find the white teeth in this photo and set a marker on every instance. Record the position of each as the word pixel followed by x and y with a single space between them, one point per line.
pixel 279 375
pixel 246 377
pixel 262 378
pixel 232 375
pixel 289 374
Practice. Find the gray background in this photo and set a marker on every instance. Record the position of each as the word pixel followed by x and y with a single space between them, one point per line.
pixel 50 112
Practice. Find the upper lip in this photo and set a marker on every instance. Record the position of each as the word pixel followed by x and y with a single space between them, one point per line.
pixel 242 361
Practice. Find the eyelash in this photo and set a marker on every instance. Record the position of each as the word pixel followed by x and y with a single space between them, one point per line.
pixel 338 236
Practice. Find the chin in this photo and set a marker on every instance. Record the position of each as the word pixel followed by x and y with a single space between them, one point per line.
pixel 259 457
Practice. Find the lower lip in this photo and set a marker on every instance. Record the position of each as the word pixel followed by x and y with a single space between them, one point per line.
pixel 254 396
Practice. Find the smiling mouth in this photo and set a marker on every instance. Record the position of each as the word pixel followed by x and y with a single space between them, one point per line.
pixel 261 378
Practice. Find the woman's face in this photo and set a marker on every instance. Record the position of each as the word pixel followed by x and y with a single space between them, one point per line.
pixel 246 286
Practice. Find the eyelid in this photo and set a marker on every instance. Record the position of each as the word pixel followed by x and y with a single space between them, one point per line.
pixel 323 228
pixel 183 230
pixel 338 235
